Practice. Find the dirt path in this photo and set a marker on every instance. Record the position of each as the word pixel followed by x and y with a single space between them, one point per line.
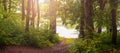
pixel 59 48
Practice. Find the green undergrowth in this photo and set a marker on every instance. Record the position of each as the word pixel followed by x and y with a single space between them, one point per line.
pixel 99 44
pixel 68 40
pixel 12 32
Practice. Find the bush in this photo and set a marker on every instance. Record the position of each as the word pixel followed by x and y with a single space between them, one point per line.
pixel 85 46
pixel 40 38
pixel 12 32
pixel 99 44
pixel 6 29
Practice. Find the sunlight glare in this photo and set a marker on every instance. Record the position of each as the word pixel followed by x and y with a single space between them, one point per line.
pixel 41 1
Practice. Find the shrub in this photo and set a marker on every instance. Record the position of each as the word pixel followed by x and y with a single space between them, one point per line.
pixel 12 33
pixel 40 38
pixel 6 28
pixel 85 46
pixel 99 44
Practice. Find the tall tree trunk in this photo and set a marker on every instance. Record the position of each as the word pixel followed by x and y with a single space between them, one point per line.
pixel 113 4
pixel 38 9
pixel 52 13
pixel 82 20
pixel 23 10
pixel 53 24
pixel 28 16
pixel 102 5
pixel 33 13
pixel 89 20
pixel 10 5
pixel 5 5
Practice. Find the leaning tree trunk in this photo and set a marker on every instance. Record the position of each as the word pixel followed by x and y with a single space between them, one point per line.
pixel 89 19
pixel 113 4
pixel 23 10
pixel 28 16
pixel 38 9
pixel 82 20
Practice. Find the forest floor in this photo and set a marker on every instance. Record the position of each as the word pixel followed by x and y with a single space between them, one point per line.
pixel 59 48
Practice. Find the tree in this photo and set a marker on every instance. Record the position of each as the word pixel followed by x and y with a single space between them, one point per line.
pixel 88 17
pixel 10 5
pixel 23 10
pixel 38 9
pixel 113 5
pixel 82 20
pixel 33 13
pixel 52 12
pixel 102 5
pixel 28 15
pixel 5 5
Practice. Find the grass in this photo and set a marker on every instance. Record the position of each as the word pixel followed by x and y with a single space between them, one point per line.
pixel 68 40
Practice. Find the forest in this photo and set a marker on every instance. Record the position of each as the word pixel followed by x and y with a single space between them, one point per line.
pixel 34 26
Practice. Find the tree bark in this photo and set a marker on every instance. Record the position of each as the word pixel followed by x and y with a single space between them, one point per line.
pixel 28 16
pixel 23 10
pixel 89 19
pixel 102 5
pixel 52 13
pixel 81 32
pixel 101 9
pixel 10 5
pixel 38 9
pixel 5 5
pixel 33 13
pixel 53 24
pixel 113 4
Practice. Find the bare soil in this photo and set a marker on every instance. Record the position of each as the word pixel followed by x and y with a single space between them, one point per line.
pixel 59 48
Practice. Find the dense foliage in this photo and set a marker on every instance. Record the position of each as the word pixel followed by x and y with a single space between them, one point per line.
pixel 20 24
pixel 100 44
pixel 31 23
pixel 12 33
